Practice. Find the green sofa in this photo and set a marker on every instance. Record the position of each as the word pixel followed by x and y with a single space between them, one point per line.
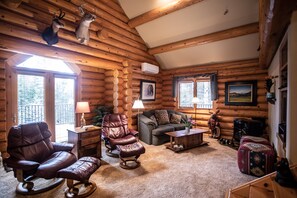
pixel 151 132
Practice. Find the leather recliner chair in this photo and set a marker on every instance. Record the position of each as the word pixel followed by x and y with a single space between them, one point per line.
pixel 115 132
pixel 33 155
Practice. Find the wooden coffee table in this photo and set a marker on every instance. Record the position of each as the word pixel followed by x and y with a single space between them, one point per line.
pixel 180 140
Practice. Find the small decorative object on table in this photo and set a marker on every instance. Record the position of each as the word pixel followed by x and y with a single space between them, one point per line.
pixel 188 125
pixel 187 129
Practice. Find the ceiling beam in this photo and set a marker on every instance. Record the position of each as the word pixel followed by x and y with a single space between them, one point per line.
pixel 274 19
pixel 208 38
pixel 161 11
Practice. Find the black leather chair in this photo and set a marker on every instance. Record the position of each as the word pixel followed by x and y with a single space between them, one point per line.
pixel 33 155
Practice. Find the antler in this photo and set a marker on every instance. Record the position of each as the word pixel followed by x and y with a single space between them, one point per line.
pixel 81 10
pixel 61 15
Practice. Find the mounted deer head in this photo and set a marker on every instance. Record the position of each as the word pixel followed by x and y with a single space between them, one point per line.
pixel 50 34
pixel 82 31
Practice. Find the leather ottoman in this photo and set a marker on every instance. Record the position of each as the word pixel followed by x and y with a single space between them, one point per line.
pixel 80 171
pixel 129 154
pixel 255 158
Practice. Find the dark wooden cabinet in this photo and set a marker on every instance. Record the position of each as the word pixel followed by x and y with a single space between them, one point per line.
pixel 87 141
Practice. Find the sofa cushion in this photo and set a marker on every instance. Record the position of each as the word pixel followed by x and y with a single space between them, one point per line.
pixel 162 129
pixel 162 117
pixel 177 127
pixel 149 113
pixel 183 116
pixel 153 118
pixel 175 118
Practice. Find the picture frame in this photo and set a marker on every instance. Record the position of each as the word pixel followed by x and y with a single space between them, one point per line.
pixel 147 90
pixel 241 93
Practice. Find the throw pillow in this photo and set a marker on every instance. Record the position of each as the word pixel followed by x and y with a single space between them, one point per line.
pixel 153 118
pixel 175 118
pixel 162 117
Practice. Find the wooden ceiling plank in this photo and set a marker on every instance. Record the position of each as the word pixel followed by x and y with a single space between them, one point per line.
pixel 161 11
pixel 208 38
pixel 274 19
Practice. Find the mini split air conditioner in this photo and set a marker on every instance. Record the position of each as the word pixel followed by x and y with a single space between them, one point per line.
pixel 149 68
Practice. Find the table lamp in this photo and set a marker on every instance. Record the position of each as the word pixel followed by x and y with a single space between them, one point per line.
pixel 82 107
pixel 138 105
pixel 195 102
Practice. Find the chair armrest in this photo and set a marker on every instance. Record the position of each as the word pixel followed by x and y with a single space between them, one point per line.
pixel 25 165
pixel 63 146
pixel 133 132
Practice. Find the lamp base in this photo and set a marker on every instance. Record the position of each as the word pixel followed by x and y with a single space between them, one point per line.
pixel 82 121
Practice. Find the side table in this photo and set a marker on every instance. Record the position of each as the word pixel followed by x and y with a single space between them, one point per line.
pixel 87 141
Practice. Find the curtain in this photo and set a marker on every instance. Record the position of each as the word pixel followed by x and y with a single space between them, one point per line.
pixel 213 87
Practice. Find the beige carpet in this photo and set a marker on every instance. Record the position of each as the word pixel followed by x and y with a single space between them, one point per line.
pixel 206 171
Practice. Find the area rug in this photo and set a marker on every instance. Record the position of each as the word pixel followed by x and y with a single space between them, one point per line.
pixel 206 171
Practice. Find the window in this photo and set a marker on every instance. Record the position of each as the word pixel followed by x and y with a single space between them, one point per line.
pixel 195 88
pixel 203 94
pixel 186 94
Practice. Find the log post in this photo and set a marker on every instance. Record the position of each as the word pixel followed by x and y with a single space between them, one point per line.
pixel 115 91
pixel 127 90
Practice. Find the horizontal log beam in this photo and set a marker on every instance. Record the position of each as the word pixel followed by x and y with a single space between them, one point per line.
pixel 161 11
pixel 208 38
pixel 17 45
pixel 274 19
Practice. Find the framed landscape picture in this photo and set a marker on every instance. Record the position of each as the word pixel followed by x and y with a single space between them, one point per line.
pixel 242 93
pixel 147 90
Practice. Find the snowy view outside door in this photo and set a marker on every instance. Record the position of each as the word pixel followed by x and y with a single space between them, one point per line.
pixel 31 89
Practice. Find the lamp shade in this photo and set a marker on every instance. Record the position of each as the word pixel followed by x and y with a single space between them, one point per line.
pixel 82 107
pixel 138 104
pixel 195 100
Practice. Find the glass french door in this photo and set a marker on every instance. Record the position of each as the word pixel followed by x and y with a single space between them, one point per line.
pixel 30 100
pixel 46 97
pixel 64 107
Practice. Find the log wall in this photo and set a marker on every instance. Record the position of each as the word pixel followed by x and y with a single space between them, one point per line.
pixel 227 72
pixel 137 76
pixel 91 88
pixel 107 62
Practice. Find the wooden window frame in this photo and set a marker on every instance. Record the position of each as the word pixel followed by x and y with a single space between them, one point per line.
pixel 193 80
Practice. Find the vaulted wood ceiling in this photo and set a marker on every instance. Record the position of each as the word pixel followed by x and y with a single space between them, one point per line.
pixel 183 33
pixel 196 32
